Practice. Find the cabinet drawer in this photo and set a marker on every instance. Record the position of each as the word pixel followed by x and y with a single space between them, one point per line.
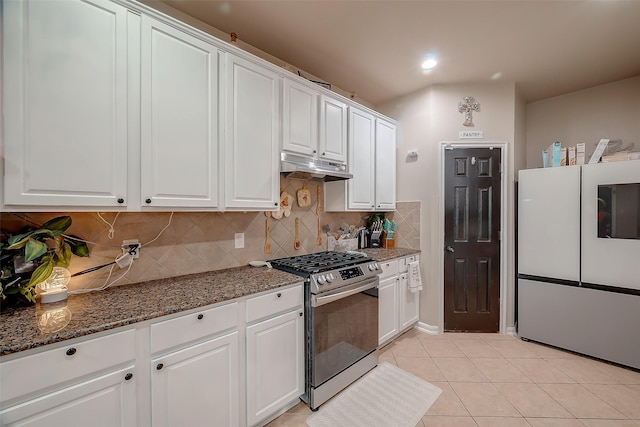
pixel 39 371
pixel 274 302
pixel 190 327
pixel 404 263
pixel 389 268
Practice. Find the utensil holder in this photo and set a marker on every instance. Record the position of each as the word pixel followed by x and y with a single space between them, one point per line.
pixel 341 245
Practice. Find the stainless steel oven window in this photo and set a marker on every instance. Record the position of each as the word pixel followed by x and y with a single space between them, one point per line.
pixel 344 331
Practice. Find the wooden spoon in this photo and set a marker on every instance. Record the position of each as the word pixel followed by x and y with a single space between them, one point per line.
pixel 267 243
pixel 319 207
pixel 296 243
pixel 319 239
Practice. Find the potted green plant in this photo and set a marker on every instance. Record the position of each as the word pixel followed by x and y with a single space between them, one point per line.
pixel 28 258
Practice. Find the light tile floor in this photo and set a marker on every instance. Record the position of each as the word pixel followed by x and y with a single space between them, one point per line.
pixel 498 380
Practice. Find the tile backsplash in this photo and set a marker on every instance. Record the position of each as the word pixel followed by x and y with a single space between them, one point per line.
pixel 194 242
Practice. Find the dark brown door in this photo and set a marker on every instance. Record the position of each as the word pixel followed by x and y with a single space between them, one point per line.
pixel 471 238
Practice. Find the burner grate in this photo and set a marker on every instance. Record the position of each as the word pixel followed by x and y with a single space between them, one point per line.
pixel 318 262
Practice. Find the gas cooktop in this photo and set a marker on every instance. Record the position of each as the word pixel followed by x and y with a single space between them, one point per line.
pixel 318 262
pixel 325 271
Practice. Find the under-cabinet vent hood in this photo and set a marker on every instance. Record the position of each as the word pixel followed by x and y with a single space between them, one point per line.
pixel 301 167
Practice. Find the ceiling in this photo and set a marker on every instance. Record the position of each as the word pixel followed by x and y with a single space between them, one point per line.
pixel 375 48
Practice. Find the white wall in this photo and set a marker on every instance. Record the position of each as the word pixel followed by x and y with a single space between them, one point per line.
pixel 608 111
pixel 425 119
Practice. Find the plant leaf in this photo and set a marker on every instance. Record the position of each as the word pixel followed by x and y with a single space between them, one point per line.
pixel 58 225
pixel 13 239
pixel 29 294
pixel 34 249
pixel 17 242
pixel 78 247
pixel 41 273
pixel 64 256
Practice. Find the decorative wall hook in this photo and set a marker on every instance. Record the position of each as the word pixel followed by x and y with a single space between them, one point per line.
pixel 467 107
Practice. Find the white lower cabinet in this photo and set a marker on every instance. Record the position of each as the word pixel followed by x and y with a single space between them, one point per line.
pixel 198 385
pixel 92 382
pixel 398 307
pixel 409 308
pixel 408 303
pixel 195 368
pixel 388 309
pixel 275 353
pixel 107 400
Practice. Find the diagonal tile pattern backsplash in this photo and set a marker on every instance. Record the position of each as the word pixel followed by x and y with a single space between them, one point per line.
pixel 202 241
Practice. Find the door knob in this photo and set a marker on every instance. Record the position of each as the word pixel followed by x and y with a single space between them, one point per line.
pixel 450 249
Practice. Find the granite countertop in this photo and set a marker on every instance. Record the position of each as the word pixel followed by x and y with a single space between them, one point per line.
pixel 24 328
pixel 382 254
pixel 21 329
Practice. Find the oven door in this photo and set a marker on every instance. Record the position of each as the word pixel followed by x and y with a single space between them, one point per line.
pixel 344 328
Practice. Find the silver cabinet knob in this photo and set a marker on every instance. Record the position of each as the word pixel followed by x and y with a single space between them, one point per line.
pixel 450 249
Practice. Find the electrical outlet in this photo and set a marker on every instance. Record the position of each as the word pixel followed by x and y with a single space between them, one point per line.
pixel 239 240
pixel 131 245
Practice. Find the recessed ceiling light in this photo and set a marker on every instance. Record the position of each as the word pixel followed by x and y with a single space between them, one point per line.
pixel 430 63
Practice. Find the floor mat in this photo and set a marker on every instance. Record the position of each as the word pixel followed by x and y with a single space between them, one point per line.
pixel 387 396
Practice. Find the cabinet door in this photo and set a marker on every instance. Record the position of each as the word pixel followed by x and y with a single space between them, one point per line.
pixel 387 309
pixel 108 400
pixel 361 160
pixel 408 303
pixel 333 130
pixel 253 123
pixel 197 386
pixel 299 118
pixel 385 175
pixel 275 364
pixel 65 103
pixel 179 129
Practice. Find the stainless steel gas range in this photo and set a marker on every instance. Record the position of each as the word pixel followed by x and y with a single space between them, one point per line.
pixel 341 319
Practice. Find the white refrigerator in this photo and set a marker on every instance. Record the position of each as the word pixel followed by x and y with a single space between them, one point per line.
pixel 555 305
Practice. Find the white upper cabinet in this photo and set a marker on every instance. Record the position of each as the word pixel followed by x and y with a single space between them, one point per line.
pixel 361 190
pixel 333 130
pixel 252 179
pixel 65 103
pixel 179 120
pixel 372 161
pixel 313 124
pixel 385 175
pixel 299 118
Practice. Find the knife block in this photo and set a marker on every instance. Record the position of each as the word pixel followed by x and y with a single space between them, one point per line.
pixel 388 243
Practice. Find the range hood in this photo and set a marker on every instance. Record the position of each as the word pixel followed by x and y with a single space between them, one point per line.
pixel 301 167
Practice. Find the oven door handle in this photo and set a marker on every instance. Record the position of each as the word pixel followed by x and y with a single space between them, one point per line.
pixel 317 301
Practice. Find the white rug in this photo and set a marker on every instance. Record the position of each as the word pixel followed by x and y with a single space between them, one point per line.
pixel 386 396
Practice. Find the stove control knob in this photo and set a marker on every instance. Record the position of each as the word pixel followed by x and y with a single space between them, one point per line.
pixel 371 267
pixel 330 277
pixel 376 266
pixel 322 279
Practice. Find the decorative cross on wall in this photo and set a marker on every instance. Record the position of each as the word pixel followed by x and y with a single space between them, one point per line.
pixel 467 107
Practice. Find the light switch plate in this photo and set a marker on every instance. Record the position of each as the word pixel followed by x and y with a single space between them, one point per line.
pixel 239 237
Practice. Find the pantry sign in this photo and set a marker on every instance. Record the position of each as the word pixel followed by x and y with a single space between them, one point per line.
pixel 471 134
